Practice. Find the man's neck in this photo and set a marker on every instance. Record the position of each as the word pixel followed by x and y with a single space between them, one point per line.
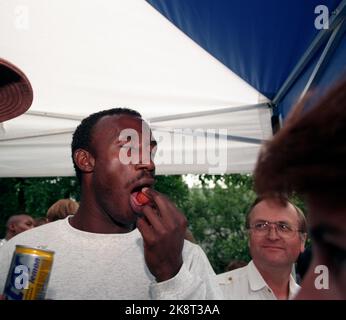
pixel 277 279
pixel 92 220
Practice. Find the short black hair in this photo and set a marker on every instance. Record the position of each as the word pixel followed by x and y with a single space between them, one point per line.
pixel 81 138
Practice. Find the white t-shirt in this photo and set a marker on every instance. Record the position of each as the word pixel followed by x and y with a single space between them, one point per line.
pixel 110 266
pixel 2 242
pixel 248 284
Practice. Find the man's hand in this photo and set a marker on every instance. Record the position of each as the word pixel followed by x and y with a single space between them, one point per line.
pixel 163 229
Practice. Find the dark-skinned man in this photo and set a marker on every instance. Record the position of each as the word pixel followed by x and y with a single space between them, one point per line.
pixel 114 247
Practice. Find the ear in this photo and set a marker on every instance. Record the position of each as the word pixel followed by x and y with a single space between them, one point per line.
pixel 303 237
pixel 84 160
pixel 12 227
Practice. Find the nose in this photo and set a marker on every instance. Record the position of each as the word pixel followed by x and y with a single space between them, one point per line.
pixel 146 163
pixel 273 233
pixel 146 166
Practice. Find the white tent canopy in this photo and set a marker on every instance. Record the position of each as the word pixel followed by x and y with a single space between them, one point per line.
pixel 86 56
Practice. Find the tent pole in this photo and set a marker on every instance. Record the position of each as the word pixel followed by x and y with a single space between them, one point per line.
pixel 71 130
pixel 275 119
pixel 54 115
pixel 319 40
pixel 37 134
pixel 227 137
pixel 209 112
pixel 326 54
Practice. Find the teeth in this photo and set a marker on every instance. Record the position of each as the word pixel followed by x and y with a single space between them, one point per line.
pixel 137 189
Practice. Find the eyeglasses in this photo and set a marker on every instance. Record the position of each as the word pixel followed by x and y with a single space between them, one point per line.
pixel 283 229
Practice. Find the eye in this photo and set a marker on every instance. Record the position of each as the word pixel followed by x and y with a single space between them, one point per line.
pixel 260 225
pixel 284 227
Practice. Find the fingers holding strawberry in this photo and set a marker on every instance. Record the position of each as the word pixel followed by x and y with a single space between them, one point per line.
pixel 163 229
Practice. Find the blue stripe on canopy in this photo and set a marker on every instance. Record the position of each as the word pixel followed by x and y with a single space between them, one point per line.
pixel 334 70
pixel 260 40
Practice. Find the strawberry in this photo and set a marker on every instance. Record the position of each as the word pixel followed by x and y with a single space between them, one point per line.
pixel 142 198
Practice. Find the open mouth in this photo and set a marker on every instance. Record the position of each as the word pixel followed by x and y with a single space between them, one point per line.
pixel 137 199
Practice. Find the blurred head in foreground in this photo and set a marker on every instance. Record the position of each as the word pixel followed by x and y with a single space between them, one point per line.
pixel 308 157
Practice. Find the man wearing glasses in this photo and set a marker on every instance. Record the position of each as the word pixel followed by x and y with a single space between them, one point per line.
pixel 277 234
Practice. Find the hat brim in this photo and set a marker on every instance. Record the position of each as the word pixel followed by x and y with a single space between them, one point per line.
pixel 16 94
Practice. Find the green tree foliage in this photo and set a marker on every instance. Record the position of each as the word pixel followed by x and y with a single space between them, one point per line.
pixel 8 202
pixel 216 210
pixel 33 195
pixel 175 188
pixel 41 193
pixel 217 217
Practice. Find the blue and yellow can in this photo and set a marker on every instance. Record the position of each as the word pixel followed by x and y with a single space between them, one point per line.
pixel 29 274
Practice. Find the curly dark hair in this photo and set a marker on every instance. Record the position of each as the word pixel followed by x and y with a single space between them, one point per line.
pixel 81 138
pixel 308 155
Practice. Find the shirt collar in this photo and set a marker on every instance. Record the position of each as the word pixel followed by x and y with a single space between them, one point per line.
pixel 257 282
pixel 294 288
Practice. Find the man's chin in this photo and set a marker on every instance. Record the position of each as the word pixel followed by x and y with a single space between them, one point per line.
pixel 274 259
pixel 277 262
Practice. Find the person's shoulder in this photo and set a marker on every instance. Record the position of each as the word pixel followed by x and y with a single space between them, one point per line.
pixel 191 248
pixel 47 227
pixel 193 252
pixel 233 275
pixel 41 233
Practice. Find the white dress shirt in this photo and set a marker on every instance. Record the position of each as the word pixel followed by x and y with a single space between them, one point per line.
pixel 248 284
